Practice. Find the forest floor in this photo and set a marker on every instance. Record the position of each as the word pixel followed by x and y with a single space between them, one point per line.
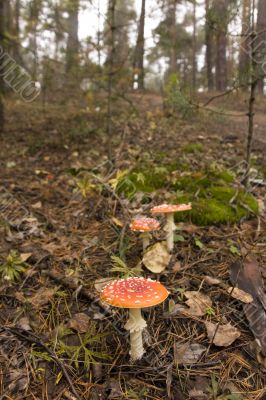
pixel 57 340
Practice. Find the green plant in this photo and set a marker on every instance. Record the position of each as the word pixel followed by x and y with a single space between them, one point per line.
pixel 13 267
pixel 85 186
pixel 81 353
pixel 209 311
pixel 121 267
pixel 177 98
pixel 193 148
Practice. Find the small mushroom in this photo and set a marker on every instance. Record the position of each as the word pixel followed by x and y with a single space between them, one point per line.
pixel 134 294
pixel 144 225
pixel 169 210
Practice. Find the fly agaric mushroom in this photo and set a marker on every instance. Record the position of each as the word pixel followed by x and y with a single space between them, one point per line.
pixel 144 225
pixel 169 210
pixel 134 294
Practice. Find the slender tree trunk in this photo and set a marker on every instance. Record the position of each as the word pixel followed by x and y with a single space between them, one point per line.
pixel 99 34
pixel 173 31
pixel 244 53
pixel 138 64
pixel 252 98
pixel 194 50
pixel 261 45
pixel 209 33
pixel 220 9
pixel 111 13
pixel 72 50
pixel 1 53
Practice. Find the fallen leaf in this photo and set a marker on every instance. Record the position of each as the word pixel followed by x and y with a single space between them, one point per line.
pixel 42 297
pixel 197 302
pixel 25 256
pixel 212 281
pixel 37 205
pixel 115 389
pixel 188 353
pixel 79 322
pixel 224 336
pixel 18 379
pixel 256 316
pixel 248 277
pixel 24 323
pixel 157 258
pixel 117 222
pixel 239 294
pixel 176 266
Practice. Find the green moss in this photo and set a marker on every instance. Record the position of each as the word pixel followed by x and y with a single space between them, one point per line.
pixel 196 182
pixel 143 180
pixel 214 207
pixel 214 199
pixel 193 148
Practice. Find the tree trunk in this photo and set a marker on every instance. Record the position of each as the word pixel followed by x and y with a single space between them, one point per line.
pixel 209 32
pixel 244 52
pixel 261 45
pixel 110 60
pixel 1 53
pixel 138 64
pixel 173 32
pixel 72 51
pixel 194 50
pixel 220 10
pixel 17 31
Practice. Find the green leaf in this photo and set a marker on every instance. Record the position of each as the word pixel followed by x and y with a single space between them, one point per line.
pixel 199 244
pixel 234 250
pixel 179 238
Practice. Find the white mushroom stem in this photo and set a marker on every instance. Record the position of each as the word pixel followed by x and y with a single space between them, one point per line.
pixel 170 228
pixel 145 240
pixel 135 326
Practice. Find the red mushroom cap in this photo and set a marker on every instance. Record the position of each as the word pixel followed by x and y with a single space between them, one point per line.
pixel 134 293
pixel 144 224
pixel 170 208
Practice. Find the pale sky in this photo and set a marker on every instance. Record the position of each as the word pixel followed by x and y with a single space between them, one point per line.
pixel 88 23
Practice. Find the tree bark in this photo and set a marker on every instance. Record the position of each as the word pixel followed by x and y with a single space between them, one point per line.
pixel 173 32
pixel 2 31
pixel 17 31
pixel 138 64
pixel 244 52
pixel 220 12
pixel 194 50
pixel 209 32
pixel 111 13
pixel 72 50
pixel 261 45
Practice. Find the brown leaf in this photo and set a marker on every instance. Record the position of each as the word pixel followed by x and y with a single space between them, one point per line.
pixel 225 335
pixel 197 303
pixel 37 205
pixel 157 258
pixel 248 277
pixel 24 323
pixel 115 389
pixel 25 256
pixel 256 316
pixel 176 266
pixel 212 281
pixel 79 322
pixel 188 353
pixel 239 294
pixel 42 297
